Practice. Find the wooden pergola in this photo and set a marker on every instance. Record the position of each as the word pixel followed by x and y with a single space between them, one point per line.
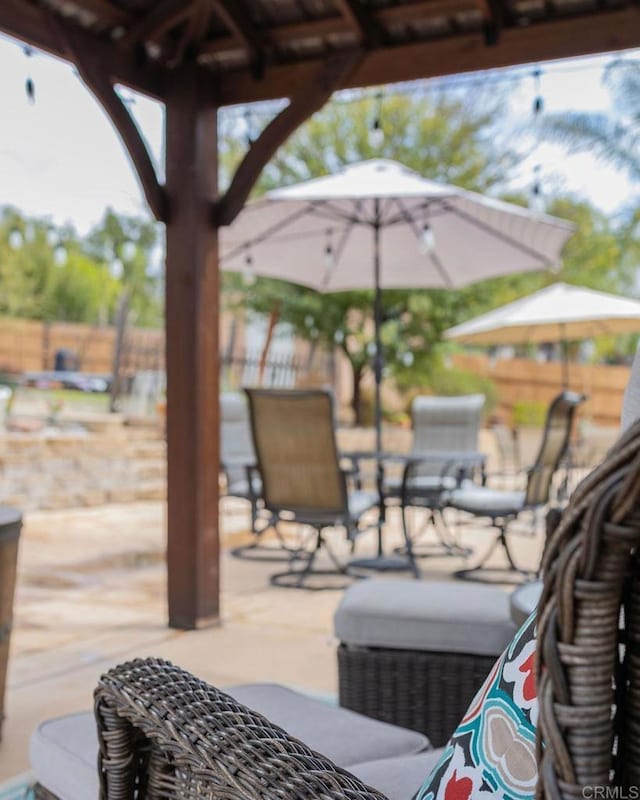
pixel 199 55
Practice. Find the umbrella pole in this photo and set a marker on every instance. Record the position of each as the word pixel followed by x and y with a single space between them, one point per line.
pixel 377 322
pixel 565 357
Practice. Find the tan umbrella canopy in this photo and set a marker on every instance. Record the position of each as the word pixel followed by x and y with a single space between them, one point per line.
pixel 557 313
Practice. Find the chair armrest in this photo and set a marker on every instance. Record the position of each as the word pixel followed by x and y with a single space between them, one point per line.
pixel 159 725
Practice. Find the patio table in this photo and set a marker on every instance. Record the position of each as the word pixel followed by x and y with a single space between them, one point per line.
pixel 461 460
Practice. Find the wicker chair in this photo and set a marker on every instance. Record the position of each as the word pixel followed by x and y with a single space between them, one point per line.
pixel 502 507
pixel 303 482
pixel 165 734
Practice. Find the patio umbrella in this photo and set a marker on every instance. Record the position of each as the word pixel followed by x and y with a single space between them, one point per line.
pixel 379 225
pixel 557 313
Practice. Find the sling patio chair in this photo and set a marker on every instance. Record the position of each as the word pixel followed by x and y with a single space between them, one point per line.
pixel 242 478
pixel 574 679
pixel 302 478
pixel 503 507
pixel 444 450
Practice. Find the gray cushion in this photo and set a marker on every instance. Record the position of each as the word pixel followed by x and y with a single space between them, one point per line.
pixel 397 778
pixel 361 501
pixel 240 488
pixel 341 735
pixel 63 754
pixel 443 617
pixel 483 500
pixel 422 483
pixel 64 750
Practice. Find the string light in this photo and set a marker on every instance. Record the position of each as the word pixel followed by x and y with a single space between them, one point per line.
pixel 376 134
pixel 248 275
pixel 537 109
pixel 329 255
pixel 29 85
pixel 427 240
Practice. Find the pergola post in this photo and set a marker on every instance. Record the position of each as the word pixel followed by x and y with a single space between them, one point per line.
pixel 192 292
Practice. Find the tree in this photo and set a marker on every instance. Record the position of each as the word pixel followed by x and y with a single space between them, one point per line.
pixel 446 137
pixel 124 245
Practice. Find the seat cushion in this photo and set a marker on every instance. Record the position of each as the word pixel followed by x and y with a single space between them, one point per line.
pixel 343 736
pixel 63 755
pixel 421 484
pixel 361 501
pixel 64 750
pixel 483 500
pixel 397 778
pixel 444 617
pixel 492 753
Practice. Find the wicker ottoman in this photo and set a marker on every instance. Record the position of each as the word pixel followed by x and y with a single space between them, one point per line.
pixel 415 653
pixel 10 524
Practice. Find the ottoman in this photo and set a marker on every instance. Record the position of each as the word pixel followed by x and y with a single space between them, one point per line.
pixel 415 653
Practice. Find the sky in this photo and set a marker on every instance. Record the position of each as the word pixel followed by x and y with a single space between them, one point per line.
pixel 61 159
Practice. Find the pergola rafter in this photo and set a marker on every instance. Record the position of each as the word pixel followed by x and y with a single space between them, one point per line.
pixel 198 55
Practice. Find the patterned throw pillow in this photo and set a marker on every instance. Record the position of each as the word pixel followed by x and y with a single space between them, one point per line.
pixel 493 750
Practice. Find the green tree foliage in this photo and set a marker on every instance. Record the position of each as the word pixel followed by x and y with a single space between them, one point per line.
pixel 51 273
pixel 449 138
pixel 128 242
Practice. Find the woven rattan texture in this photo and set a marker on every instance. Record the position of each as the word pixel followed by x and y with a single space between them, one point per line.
pixel 427 692
pixel 167 735
pixel 40 793
pixel 587 681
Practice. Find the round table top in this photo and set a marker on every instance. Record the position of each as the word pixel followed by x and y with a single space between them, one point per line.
pixel 524 601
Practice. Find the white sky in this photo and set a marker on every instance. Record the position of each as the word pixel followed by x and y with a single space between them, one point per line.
pixel 61 159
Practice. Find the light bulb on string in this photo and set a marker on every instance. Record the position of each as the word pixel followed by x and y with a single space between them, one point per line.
pixel 376 133
pixel 329 255
pixel 248 275
pixel 427 239
pixel 338 336
pixel 407 358
pixel 29 85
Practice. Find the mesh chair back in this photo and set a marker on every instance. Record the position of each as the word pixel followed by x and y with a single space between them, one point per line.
pixel 555 442
pixel 236 444
pixel 294 438
pixel 445 424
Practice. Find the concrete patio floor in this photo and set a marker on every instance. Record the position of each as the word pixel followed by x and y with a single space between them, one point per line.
pixel 91 593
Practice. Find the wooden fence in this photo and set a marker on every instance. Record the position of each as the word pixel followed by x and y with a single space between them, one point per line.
pixel 526 381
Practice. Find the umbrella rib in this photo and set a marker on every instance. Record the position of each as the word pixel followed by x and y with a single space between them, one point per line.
pixel 434 258
pixel 499 235
pixel 278 226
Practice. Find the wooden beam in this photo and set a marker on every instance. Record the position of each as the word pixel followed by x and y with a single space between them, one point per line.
pixel 540 41
pixel 236 17
pixel 365 24
pixel 305 103
pixel 31 24
pixel 410 12
pixel 104 11
pixel 162 17
pixel 192 357
pixel 90 70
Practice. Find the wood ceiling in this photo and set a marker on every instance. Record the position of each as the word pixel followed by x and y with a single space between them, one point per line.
pixel 259 49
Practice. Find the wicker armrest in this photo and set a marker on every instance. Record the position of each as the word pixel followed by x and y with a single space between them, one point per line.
pixel 159 726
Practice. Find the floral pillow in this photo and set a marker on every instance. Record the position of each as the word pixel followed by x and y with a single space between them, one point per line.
pixel 493 750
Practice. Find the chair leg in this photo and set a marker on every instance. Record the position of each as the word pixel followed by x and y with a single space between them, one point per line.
pixel 256 550
pixel 446 544
pixel 484 574
pixel 299 578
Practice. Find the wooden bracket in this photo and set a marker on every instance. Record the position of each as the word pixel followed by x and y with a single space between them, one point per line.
pixel 370 32
pixel 309 99
pixel 101 87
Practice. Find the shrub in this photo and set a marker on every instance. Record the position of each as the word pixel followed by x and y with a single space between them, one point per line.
pixel 529 413
pixel 450 381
